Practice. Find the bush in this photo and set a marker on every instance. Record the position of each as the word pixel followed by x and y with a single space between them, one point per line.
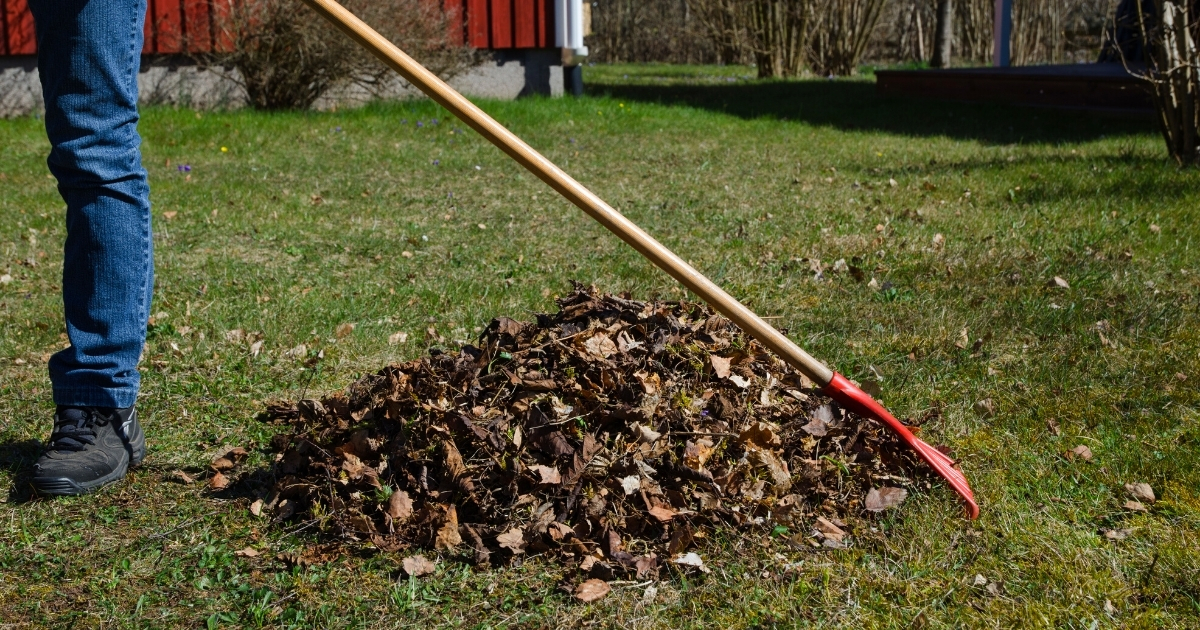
pixel 1170 33
pixel 287 57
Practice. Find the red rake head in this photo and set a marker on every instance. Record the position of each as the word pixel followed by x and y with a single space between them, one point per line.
pixel 856 400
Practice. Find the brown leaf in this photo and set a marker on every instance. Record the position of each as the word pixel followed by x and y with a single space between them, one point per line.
pixel 513 540
pixel 880 499
pixel 1052 425
pixel 826 527
pixel 547 475
pixel 985 408
pixel 720 365
pixel 218 481
pixel 761 434
pixel 1135 506
pixel 1082 452
pixel 663 514
pixel 181 477
pixel 600 346
pixel 447 535
pixel 1141 492
pixel 592 590
pixel 230 459
pixel 455 467
pixel 816 427
pixel 418 566
pixel 399 506
pixel 1116 534
pixel 248 552
pixel 343 330
pixel 256 507
pixel 1060 283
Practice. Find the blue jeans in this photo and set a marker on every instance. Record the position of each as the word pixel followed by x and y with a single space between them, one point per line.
pixel 89 52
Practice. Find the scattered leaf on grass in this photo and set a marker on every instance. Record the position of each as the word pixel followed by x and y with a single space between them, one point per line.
pixel 985 408
pixel 1116 533
pixel 399 506
pixel 181 477
pixel 1060 283
pixel 230 459
pixel 343 330
pixel 880 499
pixel 248 552
pixel 690 560
pixel 592 590
pixel 256 507
pixel 1082 452
pixel 418 566
pixel 218 481
pixel 397 338
pixel 1141 492
pixel 1135 506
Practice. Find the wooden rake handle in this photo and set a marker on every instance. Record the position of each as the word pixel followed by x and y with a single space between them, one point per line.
pixel 587 201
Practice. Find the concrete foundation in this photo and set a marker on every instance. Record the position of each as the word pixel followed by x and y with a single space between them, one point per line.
pixel 504 75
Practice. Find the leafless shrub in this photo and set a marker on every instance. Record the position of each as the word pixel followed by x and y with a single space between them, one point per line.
pixel 1173 72
pixel 842 34
pixel 287 57
pixel 650 30
pixel 778 34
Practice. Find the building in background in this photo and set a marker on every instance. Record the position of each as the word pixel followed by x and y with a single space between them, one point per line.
pixel 527 45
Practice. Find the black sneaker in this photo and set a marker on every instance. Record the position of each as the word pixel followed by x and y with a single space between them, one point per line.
pixel 91 447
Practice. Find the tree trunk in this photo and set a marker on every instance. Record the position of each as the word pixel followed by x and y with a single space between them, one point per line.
pixel 943 35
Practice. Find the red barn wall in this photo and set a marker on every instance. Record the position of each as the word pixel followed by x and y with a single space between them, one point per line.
pixel 180 26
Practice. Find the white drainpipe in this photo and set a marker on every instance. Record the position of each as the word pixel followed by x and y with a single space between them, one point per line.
pixel 568 27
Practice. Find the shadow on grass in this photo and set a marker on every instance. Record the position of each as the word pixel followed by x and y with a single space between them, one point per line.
pixel 18 458
pixel 854 105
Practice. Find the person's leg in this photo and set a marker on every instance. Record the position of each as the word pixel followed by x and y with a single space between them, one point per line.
pixel 89 52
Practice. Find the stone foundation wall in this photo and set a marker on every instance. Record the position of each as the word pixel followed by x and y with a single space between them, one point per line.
pixel 505 75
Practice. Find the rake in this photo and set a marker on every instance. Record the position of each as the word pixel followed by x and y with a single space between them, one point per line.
pixel 832 384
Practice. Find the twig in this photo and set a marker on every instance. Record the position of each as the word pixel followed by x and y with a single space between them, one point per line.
pixel 177 528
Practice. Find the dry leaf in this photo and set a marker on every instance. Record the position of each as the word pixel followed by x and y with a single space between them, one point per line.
pixel 816 427
pixel 418 566
pixel 663 514
pixel 1082 452
pixel 256 507
pixel 343 330
pixel 248 552
pixel 447 535
pixel 170 214
pixel 631 484
pixel 547 474
pixel 513 540
pixel 1116 534
pixel 181 477
pixel 397 338
pixel 963 340
pixel 600 346
pixel 720 365
pixel 938 240
pixel 691 560
pixel 1052 424
pixel 1060 283
pixel 592 590
pixel 256 348
pixel 985 408
pixel 1135 506
pixel 399 506
pixel 218 481
pixel 1141 491
pixel 880 499
pixel 826 527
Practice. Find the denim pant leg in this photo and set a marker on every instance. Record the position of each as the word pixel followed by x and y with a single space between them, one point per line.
pixel 89 52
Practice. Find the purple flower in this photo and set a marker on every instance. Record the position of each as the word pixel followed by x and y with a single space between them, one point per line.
pixel 704 412
pixel 449 195
pixel 434 121
pixel 571 140
pixel 420 124
pixel 437 162
pixel 185 168
pixel 338 128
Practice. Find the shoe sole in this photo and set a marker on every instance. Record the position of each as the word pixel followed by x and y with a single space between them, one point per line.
pixel 65 486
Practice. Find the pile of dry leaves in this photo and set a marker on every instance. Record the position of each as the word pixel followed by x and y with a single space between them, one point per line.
pixel 612 435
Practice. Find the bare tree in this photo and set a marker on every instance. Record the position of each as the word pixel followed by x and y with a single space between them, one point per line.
pixel 945 34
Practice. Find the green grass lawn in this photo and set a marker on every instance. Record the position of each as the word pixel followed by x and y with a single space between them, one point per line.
pixel 382 218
